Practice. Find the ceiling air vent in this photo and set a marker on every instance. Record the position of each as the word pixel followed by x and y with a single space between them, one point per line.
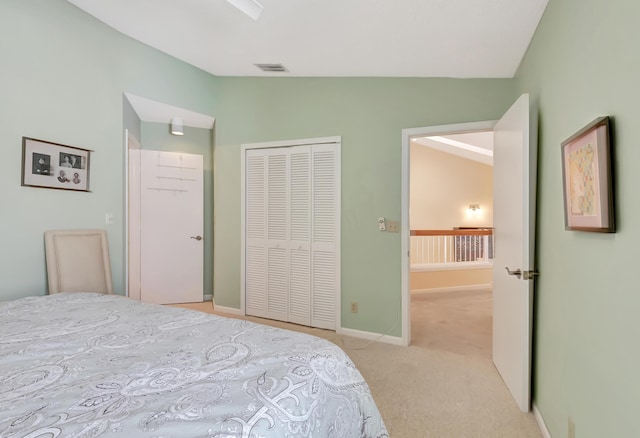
pixel 272 68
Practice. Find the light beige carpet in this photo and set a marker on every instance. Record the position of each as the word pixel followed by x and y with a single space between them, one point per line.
pixel 426 391
pixel 457 321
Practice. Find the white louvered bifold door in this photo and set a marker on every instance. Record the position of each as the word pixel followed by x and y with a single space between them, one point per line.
pixel 292 234
pixel 277 234
pixel 325 229
pixel 256 233
pixel 300 235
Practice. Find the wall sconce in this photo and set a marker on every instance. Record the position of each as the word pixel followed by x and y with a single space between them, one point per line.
pixel 177 126
pixel 474 208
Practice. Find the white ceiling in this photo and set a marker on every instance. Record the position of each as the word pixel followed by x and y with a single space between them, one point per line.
pixel 476 146
pixel 390 38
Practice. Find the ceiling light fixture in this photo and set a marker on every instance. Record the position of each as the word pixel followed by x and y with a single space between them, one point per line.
pixel 177 126
pixel 250 7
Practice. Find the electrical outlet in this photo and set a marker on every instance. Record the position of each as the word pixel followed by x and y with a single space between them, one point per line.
pixel 354 307
pixel 572 428
pixel 393 227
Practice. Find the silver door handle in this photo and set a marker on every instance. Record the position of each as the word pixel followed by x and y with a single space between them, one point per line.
pixel 197 237
pixel 526 275
pixel 517 272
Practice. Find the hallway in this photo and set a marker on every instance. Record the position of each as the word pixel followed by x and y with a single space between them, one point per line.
pixel 457 322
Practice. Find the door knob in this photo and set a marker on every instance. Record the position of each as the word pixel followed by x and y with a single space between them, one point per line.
pixel 197 237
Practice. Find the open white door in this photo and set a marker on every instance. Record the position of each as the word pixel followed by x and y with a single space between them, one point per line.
pixel 515 151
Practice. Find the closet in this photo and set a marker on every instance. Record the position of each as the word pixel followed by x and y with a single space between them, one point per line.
pixel 292 232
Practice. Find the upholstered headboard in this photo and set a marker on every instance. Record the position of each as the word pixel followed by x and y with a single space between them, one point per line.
pixel 78 261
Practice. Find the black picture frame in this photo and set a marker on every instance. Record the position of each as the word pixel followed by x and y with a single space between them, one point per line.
pixel 54 166
pixel 587 178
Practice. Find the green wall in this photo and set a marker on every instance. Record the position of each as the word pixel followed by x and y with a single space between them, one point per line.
pixel 584 62
pixel 65 83
pixel 369 114
pixel 130 120
pixel 62 79
pixel 156 136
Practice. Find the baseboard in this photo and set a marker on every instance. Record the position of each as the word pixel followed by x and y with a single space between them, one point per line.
pixel 208 297
pixel 540 421
pixel 229 310
pixel 453 288
pixel 370 336
pixel 344 331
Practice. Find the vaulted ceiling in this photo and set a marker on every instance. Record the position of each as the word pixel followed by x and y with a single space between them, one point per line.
pixel 386 38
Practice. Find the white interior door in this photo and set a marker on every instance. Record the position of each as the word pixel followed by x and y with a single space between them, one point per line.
pixel 291 232
pixel 326 236
pixel 255 233
pixel 277 232
pixel 171 227
pixel 300 235
pixel 515 146
pixel 278 284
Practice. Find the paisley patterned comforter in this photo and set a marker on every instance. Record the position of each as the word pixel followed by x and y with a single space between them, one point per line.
pixel 89 365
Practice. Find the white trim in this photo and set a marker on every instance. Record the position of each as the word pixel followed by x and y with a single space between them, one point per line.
pixel 208 297
pixel 405 242
pixel 338 248
pixel 286 143
pixel 541 424
pixel 404 202
pixel 243 226
pixel 126 213
pixel 461 266
pixel 134 278
pixel 467 287
pixel 229 310
pixel 132 215
pixel 370 336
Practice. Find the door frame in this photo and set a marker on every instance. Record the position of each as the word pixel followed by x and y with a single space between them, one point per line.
pixel 405 236
pixel 149 110
pixel 132 216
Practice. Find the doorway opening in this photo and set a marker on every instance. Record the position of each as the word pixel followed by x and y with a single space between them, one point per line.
pixel 514 191
pixel 443 148
pixel 147 127
pixel 451 242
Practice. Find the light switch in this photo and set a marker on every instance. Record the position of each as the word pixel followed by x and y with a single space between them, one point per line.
pixel 108 218
pixel 382 224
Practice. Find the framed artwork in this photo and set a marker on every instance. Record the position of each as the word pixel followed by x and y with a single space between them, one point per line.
pixel 587 179
pixel 54 166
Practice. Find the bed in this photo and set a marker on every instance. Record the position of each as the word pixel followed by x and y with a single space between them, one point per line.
pixel 93 365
